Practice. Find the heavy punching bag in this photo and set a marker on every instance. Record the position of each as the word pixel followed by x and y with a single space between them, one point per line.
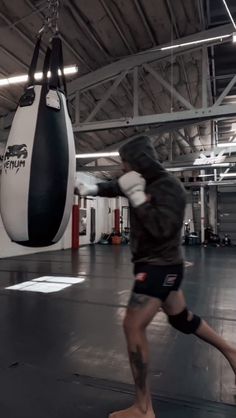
pixel 39 162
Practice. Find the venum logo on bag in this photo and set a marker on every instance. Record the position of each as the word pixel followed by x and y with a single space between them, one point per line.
pixel 15 157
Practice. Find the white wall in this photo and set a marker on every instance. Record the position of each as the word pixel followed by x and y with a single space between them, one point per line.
pixel 104 223
pixel 104 211
pixel 10 249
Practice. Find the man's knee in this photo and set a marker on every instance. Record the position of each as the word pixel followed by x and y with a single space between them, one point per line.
pixel 131 325
pixel 185 322
pixel 127 324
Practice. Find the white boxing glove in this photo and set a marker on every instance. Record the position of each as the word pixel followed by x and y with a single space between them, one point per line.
pixel 83 189
pixel 133 185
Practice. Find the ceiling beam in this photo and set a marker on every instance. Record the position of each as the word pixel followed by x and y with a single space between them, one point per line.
pixel 195 116
pixel 8 99
pixel 225 92
pixel 168 87
pixel 106 97
pixel 201 13
pixel 181 60
pixel 184 138
pixel 144 19
pixel 117 27
pixel 18 31
pixel 86 27
pixel 221 12
pixel 13 57
pixel 177 34
pixel 167 166
pixel 155 54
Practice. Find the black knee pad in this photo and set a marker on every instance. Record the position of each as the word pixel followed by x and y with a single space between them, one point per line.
pixel 182 324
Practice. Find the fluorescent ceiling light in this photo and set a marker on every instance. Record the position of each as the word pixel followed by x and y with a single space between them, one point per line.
pixel 226 144
pixel 4 82
pixel 70 70
pixel 183 168
pixel 228 175
pixel 177 169
pixel 220 165
pixel 229 13
pixel 38 76
pixel 202 41
pixel 98 155
pixel 193 167
pixel 206 175
pixel 18 79
pixel 234 37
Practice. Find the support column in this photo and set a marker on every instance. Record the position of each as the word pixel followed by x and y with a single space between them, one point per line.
pixel 136 93
pixel 213 208
pixel 215 174
pixel 202 194
pixel 75 224
pixel 204 77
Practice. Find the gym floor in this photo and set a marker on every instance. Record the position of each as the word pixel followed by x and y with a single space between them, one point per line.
pixel 63 354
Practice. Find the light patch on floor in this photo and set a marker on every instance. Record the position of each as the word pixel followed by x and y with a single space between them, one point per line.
pixel 60 279
pixel 47 284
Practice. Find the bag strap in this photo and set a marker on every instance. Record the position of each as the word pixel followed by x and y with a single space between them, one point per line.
pixel 34 62
pixel 57 64
pixel 46 66
pixel 54 82
pixel 61 63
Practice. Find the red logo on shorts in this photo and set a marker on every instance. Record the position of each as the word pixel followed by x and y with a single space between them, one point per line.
pixel 141 277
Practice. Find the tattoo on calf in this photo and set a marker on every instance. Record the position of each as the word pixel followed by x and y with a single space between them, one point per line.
pixel 138 301
pixel 139 368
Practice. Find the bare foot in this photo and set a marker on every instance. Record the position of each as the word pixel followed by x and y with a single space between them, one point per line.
pixel 133 412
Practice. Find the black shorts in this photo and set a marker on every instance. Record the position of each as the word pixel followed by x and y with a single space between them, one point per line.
pixel 157 281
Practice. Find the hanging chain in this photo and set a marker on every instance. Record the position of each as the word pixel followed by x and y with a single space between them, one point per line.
pixel 52 17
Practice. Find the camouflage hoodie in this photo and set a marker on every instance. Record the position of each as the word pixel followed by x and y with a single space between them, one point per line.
pixel 155 225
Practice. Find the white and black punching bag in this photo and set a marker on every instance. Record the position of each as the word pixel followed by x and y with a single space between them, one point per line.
pixel 39 163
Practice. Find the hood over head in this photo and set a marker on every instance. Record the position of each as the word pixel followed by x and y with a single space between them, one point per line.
pixel 142 157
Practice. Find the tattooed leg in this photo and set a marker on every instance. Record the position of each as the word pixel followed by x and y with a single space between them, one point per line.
pixel 140 312
pixel 138 301
pixel 139 370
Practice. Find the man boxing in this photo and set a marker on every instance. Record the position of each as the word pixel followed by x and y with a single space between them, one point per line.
pixel 157 206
